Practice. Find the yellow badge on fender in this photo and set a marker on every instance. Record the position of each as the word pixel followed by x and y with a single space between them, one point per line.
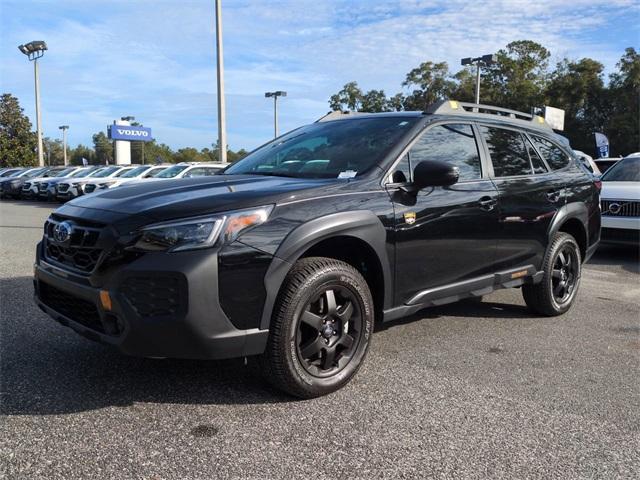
pixel 410 218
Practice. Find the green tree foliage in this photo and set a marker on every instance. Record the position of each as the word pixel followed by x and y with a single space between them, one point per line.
pixel 522 80
pixel 623 125
pixel 519 76
pixel 103 148
pixel 77 154
pixel 578 87
pixel 53 153
pixel 429 82
pixel 17 141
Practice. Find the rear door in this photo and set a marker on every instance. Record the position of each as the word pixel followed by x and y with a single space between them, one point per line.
pixel 529 196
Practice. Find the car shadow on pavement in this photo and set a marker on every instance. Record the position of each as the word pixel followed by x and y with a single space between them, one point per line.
pixel 628 257
pixel 47 369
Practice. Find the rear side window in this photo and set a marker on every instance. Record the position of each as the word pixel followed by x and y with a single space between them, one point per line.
pixel 536 162
pixel 451 143
pixel 555 157
pixel 508 152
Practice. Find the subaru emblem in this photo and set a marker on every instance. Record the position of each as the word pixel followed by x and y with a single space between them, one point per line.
pixel 62 232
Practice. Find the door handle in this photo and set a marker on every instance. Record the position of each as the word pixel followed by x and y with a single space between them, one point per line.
pixel 487 203
pixel 553 196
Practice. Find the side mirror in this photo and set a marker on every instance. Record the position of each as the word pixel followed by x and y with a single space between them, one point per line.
pixel 434 174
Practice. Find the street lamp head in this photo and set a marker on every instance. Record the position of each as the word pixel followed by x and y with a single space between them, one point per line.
pixel 489 59
pixel 277 93
pixel 128 118
pixel 466 61
pixel 33 49
pixel 268 94
pixel 64 127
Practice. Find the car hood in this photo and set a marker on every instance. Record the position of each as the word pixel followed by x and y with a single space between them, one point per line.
pixel 620 190
pixel 158 201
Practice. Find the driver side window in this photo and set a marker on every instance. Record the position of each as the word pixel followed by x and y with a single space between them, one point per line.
pixel 452 143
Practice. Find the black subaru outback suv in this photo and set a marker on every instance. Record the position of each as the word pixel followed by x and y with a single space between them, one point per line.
pixel 294 251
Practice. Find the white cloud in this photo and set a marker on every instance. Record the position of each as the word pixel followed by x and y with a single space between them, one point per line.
pixel 156 59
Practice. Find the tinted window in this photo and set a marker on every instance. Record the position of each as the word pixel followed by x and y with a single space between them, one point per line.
pixel 452 143
pixel 402 171
pixel 196 172
pixel 555 157
pixel 508 152
pixel 627 170
pixel 341 148
pixel 536 161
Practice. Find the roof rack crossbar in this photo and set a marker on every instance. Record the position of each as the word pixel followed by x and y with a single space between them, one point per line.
pixel 455 107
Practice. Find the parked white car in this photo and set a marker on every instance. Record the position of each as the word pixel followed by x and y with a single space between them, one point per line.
pixel 31 189
pixel 73 188
pixel 188 170
pixel 122 178
pixel 620 202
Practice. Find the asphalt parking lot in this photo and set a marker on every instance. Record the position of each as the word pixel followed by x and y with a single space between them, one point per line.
pixel 464 391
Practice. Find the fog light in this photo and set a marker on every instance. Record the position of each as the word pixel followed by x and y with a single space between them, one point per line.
pixel 105 300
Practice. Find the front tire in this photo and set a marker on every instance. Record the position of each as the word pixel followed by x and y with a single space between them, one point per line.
pixel 320 330
pixel 562 269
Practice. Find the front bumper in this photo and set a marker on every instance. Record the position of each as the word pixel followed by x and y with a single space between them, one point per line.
pixel 620 230
pixel 141 322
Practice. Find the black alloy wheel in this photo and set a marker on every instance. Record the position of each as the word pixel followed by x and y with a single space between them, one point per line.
pixel 320 329
pixel 329 329
pixel 565 273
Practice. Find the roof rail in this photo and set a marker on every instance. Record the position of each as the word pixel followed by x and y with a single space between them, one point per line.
pixel 338 115
pixel 454 107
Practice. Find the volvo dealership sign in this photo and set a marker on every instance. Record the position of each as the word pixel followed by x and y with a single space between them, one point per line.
pixel 130 133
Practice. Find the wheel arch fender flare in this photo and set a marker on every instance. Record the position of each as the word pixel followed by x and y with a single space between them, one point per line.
pixel 578 211
pixel 361 224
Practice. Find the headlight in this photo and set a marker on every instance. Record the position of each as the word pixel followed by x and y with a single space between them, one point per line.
pixel 78 184
pixel 106 184
pixel 200 232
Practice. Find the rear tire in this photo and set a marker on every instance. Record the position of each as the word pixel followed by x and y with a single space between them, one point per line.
pixel 562 267
pixel 320 330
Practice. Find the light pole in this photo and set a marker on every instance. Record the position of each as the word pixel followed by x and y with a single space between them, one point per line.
pixel 64 129
pixel 275 95
pixel 483 61
pixel 222 122
pixel 34 50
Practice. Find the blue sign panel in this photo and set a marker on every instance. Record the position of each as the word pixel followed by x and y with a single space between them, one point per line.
pixel 130 133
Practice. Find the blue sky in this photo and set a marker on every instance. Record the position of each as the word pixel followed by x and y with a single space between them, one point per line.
pixel 155 59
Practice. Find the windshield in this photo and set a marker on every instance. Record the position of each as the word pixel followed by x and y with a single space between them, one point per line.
pixel 61 173
pixel 34 173
pixel 14 173
pixel 342 148
pixel 134 172
pixel 80 173
pixel 627 170
pixel 157 171
pixel 95 172
pixel 105 172
pixel 172 171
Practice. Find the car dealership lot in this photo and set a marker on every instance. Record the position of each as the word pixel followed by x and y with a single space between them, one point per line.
pixel 466 390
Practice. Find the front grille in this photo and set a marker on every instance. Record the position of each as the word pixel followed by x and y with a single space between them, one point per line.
pixel 80 252
pixel 89 188
pixel 26 186
pixel 77 309
pixel 160 295
pixel 43 187
pixel 620 208
pixel 63 187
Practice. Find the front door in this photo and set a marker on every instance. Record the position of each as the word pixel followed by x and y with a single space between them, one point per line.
pixel 443 235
